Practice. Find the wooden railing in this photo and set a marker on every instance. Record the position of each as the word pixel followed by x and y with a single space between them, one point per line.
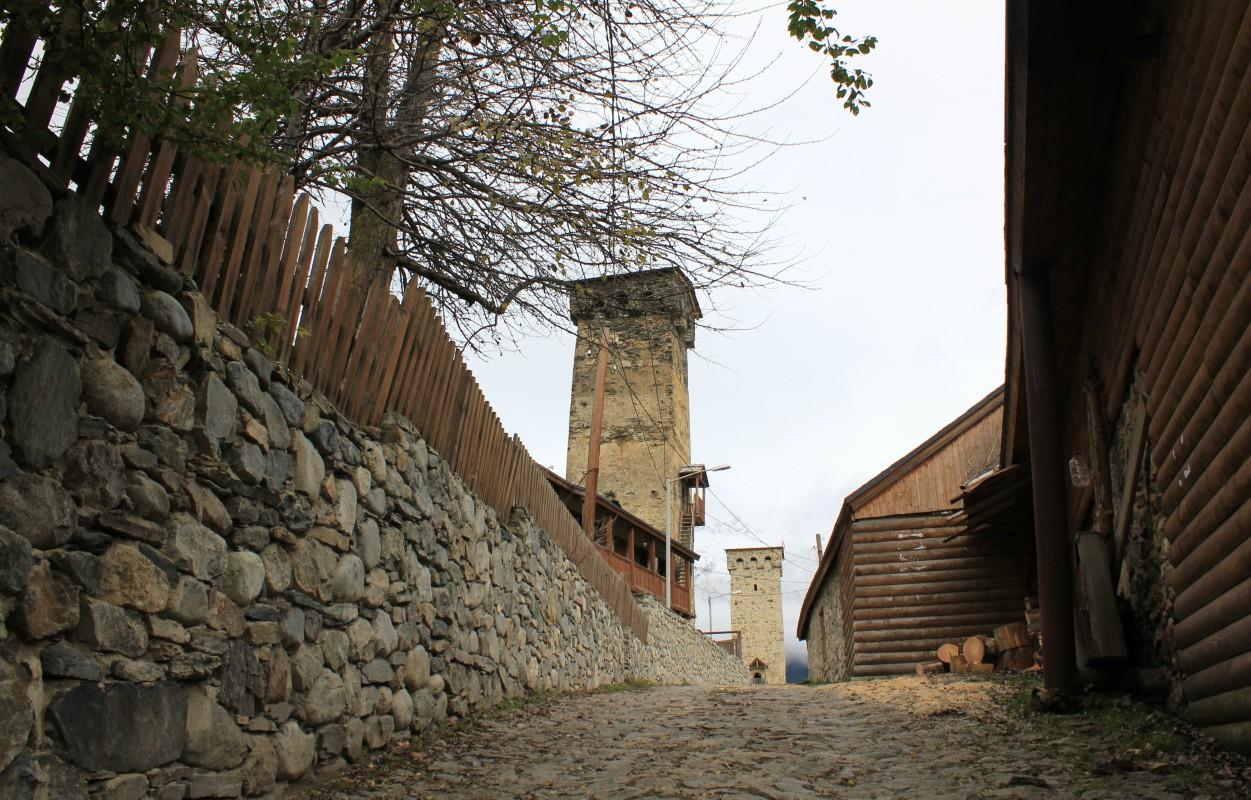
pixel 617 529
pixel 257 250
pixel 644 579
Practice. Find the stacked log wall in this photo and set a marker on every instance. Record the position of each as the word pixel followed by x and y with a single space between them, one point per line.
pixel 916 588
pixel 1168 308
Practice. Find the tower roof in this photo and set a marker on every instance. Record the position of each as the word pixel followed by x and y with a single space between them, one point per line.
pixel 666 291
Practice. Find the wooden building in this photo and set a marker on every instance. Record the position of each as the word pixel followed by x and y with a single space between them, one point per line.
pixel 635 549
pixel 1129 363
pixel 907 568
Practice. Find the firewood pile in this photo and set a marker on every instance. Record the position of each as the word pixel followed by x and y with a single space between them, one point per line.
pixel 1010 648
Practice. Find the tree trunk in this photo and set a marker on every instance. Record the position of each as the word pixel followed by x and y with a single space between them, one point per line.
pixel 378 202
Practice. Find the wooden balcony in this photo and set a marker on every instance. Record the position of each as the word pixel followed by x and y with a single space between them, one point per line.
pixel 635 549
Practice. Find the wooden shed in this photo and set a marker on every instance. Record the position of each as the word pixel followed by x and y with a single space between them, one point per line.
pixel 1129 363
pixel 909 568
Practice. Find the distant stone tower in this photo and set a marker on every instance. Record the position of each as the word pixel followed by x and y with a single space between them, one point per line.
pixel 756 610
pixel 646 437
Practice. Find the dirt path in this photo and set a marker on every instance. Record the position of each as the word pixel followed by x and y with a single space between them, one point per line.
pixel 876 739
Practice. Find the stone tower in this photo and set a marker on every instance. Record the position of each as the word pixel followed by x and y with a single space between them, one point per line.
pixel 646 438
pixel 756 610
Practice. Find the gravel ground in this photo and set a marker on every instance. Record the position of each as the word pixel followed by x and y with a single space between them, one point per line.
pixel 939 737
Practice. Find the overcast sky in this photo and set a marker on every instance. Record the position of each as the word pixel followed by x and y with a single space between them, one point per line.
pixel 900 214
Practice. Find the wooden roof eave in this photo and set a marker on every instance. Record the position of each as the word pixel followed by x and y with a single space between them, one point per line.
pixel 604 505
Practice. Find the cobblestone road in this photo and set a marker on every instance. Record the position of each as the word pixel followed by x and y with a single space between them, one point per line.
pixel 899 739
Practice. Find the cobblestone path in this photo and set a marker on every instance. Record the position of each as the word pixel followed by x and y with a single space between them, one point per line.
pixel 844 741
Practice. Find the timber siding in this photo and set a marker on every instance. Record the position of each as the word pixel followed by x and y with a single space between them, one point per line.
pixel 903 574
pixel 1152 296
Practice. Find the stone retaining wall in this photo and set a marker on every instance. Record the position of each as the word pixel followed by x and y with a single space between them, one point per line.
pixel 211 584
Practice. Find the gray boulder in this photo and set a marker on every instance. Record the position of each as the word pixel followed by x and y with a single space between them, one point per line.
pixel 196 549
pixel 168 315
pixel 244 577
pixel 121 727
pixel 37 508
pixel 25 203
pixel 113 393
pixel 295 749
pixel 43 405
pixel 78 241
pixel 214 741
pixel 15 561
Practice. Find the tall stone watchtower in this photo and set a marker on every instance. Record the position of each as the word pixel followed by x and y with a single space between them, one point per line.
pixel 756 610
pixel 646 437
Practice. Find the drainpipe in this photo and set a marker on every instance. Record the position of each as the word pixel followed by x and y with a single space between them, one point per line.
pixel 1051 538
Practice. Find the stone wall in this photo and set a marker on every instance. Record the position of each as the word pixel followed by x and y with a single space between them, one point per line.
pixel 212 584
pixel 677 653
pixel 828 656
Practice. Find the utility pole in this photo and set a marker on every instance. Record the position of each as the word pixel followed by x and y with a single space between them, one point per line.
pixel 818 548
pixel 592 450
pixel 710 628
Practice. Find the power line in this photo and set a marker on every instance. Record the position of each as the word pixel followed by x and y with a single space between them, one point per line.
pixel 743 527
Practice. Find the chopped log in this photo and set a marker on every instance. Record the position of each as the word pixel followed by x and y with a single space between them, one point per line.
pixel 1011 636
pixel 979 649
pixel 1017 659
pixel 947 651
pixel 983 667
pixel 1107 637
pixel 959 663
pixel 931 668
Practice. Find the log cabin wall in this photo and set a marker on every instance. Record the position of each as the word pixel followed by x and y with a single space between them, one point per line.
pixel 900 577
pixel 918 587
pixel 1151 296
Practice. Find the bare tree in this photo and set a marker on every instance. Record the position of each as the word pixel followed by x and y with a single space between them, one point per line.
pixel 497 151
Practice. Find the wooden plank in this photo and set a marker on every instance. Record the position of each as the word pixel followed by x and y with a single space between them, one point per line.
pixel 255 266
pixel 238 240
pixel 173 218
pixel 346 303
pixel 73 133
pixel 222 211
pixel 275 292
pixel 15 52
pixel 317 302
pixel 312 257
pixel 358 363
pixel 152 199
pixel 193 254
pixel 1095 573
pixel 392 360
pixel 1129 482
pixel 122 202
pixel 398 393
pixel 46 88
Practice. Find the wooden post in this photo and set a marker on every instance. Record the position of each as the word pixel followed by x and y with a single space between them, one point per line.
pixel 1051 540
pixel 592 449
pixel 818 548
pixel 1101 474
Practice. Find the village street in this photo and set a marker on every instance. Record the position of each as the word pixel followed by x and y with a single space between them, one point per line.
pixel 901 738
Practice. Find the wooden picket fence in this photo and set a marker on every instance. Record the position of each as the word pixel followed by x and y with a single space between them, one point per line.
pixel 259 254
